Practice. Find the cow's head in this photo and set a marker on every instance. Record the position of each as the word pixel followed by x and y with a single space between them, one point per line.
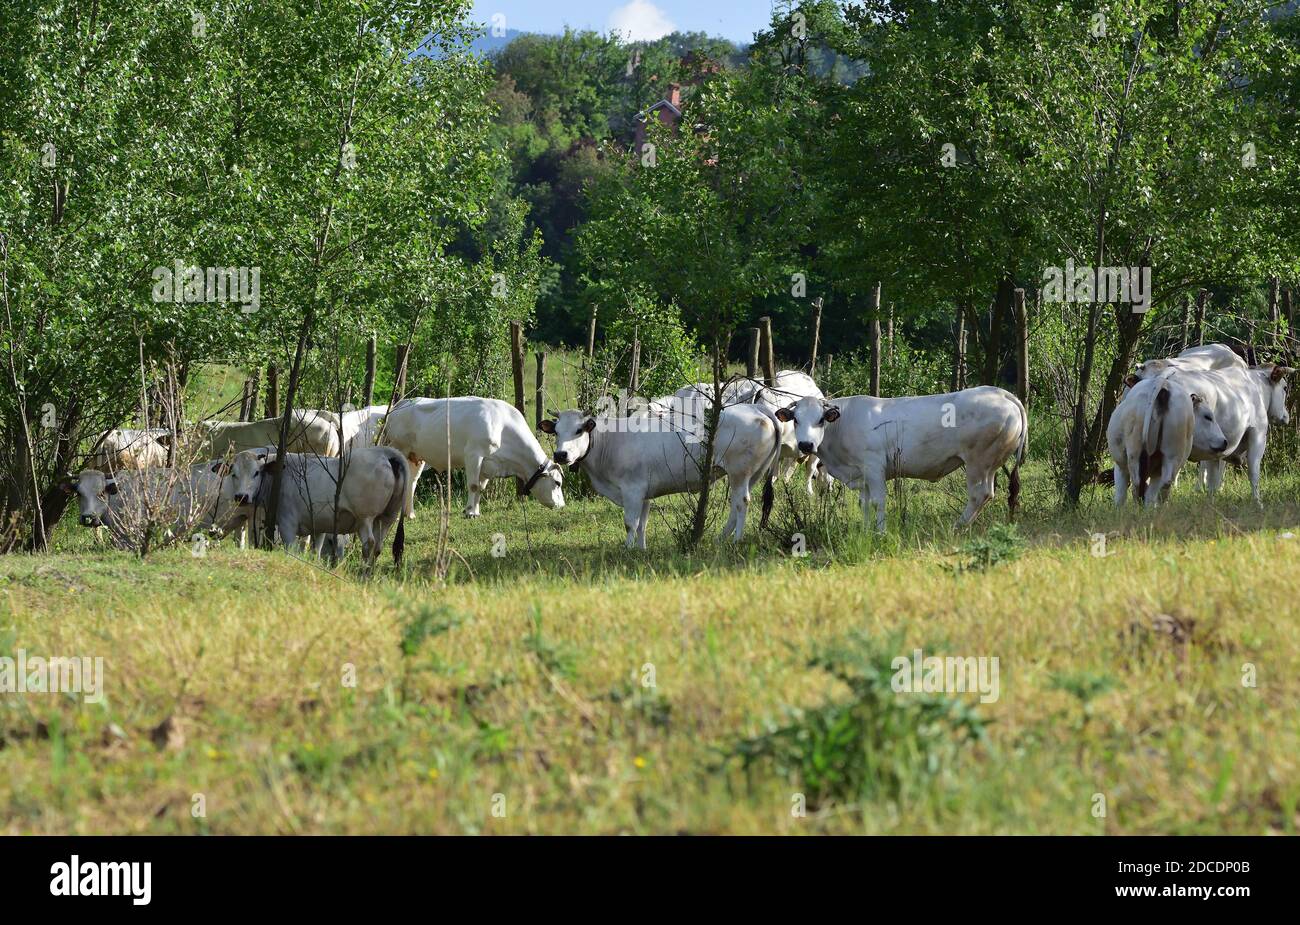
pixel 242 476
pixel 1206 430
pixel 572 432
pixel 1277 394
pixel 810 415
pixel 547 485
pixel 92 489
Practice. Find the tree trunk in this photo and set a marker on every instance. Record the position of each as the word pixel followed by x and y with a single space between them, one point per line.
pixel 1076 458
pixel 700 519
pixel 767 351
pixel 1202 298
pixel 959 351
pixel 368 390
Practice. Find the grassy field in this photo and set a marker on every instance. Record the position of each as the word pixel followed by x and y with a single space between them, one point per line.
pixel 570 686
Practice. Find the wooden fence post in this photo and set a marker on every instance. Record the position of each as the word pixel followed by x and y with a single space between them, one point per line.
pixel 1187 324
pixel 817 335
pixel 959 351
pixel 591 334
pixel 751 354
pixel 1022 346
pixel 368 391
pixel 244 400
pixel 541 386
pixel 767 351
pixel 517 373
pixel 875 340
pixel 272 390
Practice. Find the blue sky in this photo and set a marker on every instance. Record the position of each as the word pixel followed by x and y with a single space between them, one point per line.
pixel 647 19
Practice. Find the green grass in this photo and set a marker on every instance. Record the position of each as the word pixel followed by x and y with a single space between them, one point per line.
pixel 518 684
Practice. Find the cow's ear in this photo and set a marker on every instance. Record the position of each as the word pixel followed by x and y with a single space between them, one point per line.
pixel 1196 399
pixel 589 425
pixel 1131 380
pixel 261 457
pixel 111 486
pixel 785 415
pixel 547 427
pixel 1280 372
pixel 832 414
pixel 217 467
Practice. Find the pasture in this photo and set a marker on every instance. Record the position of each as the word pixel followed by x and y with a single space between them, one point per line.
pixel 572 686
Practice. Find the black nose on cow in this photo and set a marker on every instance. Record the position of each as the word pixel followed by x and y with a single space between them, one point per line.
pixel 1221 447
pixel 805 446
pixel 561 457
pixel 243 499
pixel 89 521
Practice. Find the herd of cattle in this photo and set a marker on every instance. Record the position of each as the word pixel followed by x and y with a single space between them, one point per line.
pixel 355 474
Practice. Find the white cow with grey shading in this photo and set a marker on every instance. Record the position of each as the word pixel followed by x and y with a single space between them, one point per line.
pixel 631 465
pixel 176 499
pixel 362 493
pixel 1244 401
pixel 1153 432
pixel 486 437
pixel 865 441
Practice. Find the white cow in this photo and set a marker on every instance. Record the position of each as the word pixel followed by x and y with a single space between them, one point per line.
pixel 125 450
pixel 361 426
pixel 630 466
pixel 1206 356
pixel 486 437
pixel 864 441
pixel 310 431
pixel 791 385
pixel 369 499
pixel 1244 401
pixel 1152 432
pixel 176 499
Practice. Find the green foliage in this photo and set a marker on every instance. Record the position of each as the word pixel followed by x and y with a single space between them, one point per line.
pixel 877 744
pixel 1000 543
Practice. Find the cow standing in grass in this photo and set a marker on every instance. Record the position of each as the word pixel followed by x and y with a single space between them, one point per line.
pixel 486 437
pixel 633 460
pixel 1152 433
pixel 174 499
pixel 865 441
pixel 313 503
pixel 1243 401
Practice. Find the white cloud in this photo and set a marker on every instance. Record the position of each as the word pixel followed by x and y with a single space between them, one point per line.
pixel 640 21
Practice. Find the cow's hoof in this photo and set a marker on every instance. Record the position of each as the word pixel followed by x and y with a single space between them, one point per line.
pixel 471 514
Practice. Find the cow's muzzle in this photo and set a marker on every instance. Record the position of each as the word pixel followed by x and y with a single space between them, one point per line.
pixel 561 457
pixel 89 520
pixel 806 447
pixel 243 499
pixel 1221 447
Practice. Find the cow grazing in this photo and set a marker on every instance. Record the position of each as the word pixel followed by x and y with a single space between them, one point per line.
pixel 631 466
pixel 369 498
pixel 313 432
pixel 864 441
pixel 176 499
pixel 486 437
pixel 1152 432
pixel 123 450
pixel 1244 401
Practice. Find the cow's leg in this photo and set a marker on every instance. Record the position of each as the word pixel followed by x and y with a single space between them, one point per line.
pixel 1255 445
pixel 1214 469
pixel 739 498
pixel 979 492
pixel 369 548
pixel 641 525
pixel 1121 485
pixel 417 467
pixel 632 507
pixel 473 483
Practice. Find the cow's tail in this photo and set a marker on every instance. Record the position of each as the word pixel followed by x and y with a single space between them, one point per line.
pixel 769 489
pixel 1022 450
pixel 397 503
